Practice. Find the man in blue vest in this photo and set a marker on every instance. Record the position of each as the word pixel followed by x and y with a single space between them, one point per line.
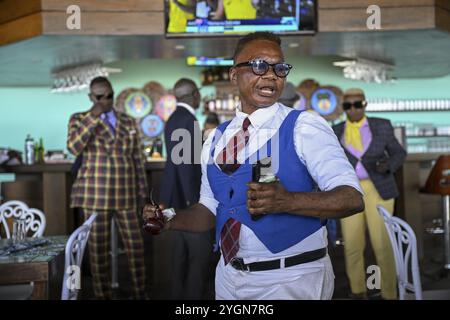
pixel 272 235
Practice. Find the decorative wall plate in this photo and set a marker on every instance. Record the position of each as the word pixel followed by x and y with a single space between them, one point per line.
pixel 138 105
pixel 165 106
pixel 152 126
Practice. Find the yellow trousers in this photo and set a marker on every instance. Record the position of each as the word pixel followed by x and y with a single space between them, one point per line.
pixel 353 231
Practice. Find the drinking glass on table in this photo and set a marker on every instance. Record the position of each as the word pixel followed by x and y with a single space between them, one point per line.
pixel 19 230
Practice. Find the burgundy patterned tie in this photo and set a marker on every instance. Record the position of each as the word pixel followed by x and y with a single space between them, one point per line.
pixel 227 160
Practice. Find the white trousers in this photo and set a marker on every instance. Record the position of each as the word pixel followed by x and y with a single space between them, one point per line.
pixel 308 281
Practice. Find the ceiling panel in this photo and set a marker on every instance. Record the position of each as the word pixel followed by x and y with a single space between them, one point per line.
pixel 416 54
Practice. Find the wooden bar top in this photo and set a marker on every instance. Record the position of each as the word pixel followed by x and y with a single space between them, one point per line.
pixel 425 156
pixel 65 167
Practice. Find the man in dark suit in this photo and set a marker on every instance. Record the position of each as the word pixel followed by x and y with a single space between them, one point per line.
pixel 375 153
pixel 190 252
pixel 111 178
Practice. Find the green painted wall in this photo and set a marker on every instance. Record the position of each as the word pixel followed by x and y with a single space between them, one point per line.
pixel 42 114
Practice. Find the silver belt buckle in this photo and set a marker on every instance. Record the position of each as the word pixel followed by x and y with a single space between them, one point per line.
pixel 238 264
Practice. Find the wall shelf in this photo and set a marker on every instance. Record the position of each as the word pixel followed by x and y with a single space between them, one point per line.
pixel 395 105
pixel 425 136
pixel 390 110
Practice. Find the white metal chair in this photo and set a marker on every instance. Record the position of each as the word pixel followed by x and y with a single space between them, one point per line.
pixel 404 245
pixel 35 223
pixel 74 257
pixel 11 209
pixel 34 218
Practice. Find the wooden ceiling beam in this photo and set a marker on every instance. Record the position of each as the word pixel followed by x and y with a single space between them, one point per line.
pixel 106 23
pixel 342 4
pixel 21 29
pixel 101 5
pixel 10 10
pixel 392 18
pixel 146 17
pixel 443 15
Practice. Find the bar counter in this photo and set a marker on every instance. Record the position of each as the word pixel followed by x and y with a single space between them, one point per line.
pixel 412 205
pixel 47 187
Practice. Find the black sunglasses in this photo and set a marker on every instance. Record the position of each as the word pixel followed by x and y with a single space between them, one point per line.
pixel 261 67
pixel 357 104
pixel 101 96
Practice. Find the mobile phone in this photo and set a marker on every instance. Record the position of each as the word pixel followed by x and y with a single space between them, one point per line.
pixel 262 172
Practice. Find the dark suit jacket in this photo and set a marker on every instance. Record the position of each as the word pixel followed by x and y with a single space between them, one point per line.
pixel 181 182
pixel 384 144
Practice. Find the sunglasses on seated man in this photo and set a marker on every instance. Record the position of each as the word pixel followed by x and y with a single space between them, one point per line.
pixel 261 67
pixel 357 104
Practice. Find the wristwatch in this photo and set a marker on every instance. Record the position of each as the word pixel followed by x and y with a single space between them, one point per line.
pixel 169 213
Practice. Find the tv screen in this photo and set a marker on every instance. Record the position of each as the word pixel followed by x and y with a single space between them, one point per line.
pixel 208 62
pixel 237 17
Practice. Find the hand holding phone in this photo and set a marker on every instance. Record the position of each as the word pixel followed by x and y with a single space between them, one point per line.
pixel 262 173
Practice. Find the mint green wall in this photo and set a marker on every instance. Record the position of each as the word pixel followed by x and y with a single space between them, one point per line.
pixel 43 114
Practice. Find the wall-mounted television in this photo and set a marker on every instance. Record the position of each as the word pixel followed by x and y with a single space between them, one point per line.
pixel 203 61
pixel 196 18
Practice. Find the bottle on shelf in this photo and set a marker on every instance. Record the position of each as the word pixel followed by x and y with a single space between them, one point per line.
pixel 225 74
pixel 230 102
pixel 212 104
pixel 29 150
pixel 209 76
pixel 218 104
pixel 39 151
pixel 216 74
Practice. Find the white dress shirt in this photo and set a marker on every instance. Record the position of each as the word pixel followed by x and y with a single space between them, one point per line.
pixel 187 107
pixel 317 147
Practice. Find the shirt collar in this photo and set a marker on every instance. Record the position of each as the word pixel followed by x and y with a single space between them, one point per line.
pixel 364 123
pixel 110 114
pixel 187 107
pixel 257 118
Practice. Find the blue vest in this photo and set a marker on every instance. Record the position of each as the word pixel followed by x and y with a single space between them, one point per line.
pixel 277 231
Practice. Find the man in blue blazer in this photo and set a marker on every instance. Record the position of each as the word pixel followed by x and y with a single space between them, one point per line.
pixel 190 252
pixel 375 153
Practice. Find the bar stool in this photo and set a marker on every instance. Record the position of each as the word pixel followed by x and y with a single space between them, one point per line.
pixel 438 182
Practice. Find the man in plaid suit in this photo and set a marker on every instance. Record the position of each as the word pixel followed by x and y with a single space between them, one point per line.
pixel 375 153
pixel 111 179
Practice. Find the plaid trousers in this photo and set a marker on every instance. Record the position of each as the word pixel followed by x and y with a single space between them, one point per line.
pixel 99 248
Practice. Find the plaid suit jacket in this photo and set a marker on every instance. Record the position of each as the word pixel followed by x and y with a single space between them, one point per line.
pixel 112 173
pixel 383 145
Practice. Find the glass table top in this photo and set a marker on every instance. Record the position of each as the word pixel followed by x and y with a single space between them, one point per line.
pixel 42 249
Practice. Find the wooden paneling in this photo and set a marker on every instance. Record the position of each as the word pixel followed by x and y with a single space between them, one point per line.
pixel 28 191
pixel 106 23
pixel 102 5
pixel 443 4
pixel 340 4
pixel 443 18
pixel 10 9
pixel 409 201
pixel 21 29
pixel 391 19
pixel 56 197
